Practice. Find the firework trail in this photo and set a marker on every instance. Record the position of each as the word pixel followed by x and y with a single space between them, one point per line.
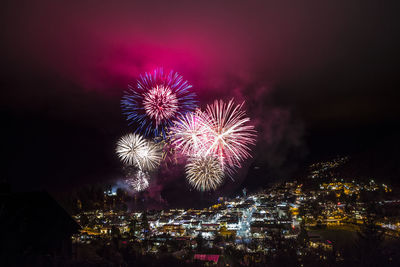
pixel 204 173
pixel 228 134
pixel 156 100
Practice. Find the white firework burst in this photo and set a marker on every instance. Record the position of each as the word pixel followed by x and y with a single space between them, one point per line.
pixel 151 156
pixel 204 173
pixel 130 149
pixel 136 151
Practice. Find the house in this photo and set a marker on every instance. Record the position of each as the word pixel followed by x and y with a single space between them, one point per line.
pixel 173 229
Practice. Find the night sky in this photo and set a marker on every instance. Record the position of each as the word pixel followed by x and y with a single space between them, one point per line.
pixel 319 79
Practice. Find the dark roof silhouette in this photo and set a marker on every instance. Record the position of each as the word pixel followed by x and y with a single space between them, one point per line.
pixel 33 222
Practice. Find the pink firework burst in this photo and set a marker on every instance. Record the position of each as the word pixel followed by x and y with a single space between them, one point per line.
pixel 228 133
pixel 189 134
pixel 160 103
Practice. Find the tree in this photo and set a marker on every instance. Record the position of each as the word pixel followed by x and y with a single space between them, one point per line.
pixel 315 209
pixel 132 227
pixel 84 221
pixel 283 251
pixel 370 239
pixel 145 225
pixel 218 239
pixel 200 242
pixel 303 238
pixel 115 231
pixel 120 193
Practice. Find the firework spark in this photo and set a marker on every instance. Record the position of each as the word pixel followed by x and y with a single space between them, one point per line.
pixel 156 100
pixel 139 182
pixel 189 133
pixel 204 173
pixel 134 150
pixel 229 134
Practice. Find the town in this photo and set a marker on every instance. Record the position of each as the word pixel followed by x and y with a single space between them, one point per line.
pixel 291 218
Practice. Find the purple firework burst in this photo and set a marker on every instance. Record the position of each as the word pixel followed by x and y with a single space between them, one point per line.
pixel 155 100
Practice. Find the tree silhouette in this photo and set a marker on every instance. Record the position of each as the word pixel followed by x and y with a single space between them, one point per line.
pixel 200 242
pixel 370 238
pixel 84 221
pixel 145 225
pixel 132 227
pixel 303 238
pixel 283 252
pixel 218 239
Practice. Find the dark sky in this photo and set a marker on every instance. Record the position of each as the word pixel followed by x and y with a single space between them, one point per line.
pixel 319 78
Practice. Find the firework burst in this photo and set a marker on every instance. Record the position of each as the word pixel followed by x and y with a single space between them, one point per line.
pixel 188 134
pixel 130 149
pixel 155 100
pixel 204 173
pixel 160 103
pixel 228 134
pixel 136 151
pixel 151 156
pixel 139 182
